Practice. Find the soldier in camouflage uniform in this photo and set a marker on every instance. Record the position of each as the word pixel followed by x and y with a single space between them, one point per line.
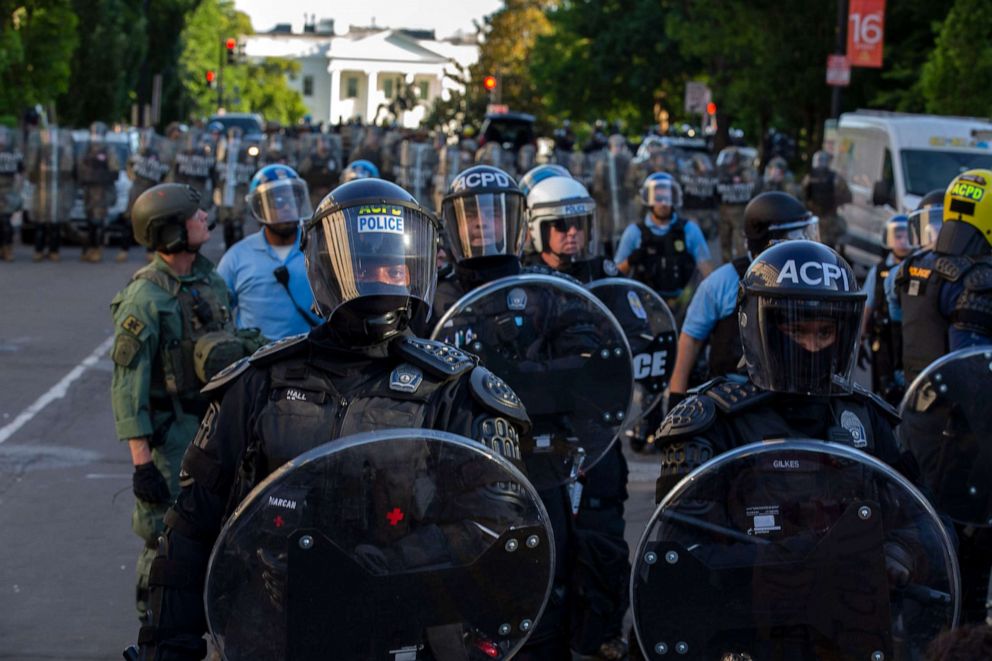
pixel 97 171
pixel 148 166
pixel 11 167
pixel 613 191
pixel 193 161
pixel 173 331
pixel 50 166
pixel 239 157
pixel 738 183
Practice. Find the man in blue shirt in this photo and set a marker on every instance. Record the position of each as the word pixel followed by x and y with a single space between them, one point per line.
pixel 663 250
pixel 266 272
pixel 768 219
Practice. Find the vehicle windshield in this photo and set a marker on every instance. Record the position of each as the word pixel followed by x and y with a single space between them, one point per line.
pixel 927 169
pixel 509 131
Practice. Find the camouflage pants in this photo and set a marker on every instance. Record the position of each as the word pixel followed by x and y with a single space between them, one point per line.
pixel 731 230
pixel 147 518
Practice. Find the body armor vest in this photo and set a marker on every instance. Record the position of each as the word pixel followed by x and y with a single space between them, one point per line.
pixel 203 315
pixel 726 350
pixel 924 328
pixel 822 191
pixel 666 264
pixel 885 341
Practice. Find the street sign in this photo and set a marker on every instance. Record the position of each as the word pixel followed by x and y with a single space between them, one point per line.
pixel 697 97
pixel 838 71
pixel 497 109
pixel 865 33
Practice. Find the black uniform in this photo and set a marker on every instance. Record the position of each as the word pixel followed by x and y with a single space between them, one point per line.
pixel 885 343
pixel 664 263
pixel 286 399
pixel 585 271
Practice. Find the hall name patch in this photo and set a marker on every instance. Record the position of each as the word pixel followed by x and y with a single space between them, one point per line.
pixel 380 223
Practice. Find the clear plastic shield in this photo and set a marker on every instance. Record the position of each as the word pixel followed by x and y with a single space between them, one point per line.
pixel 50 165
pixel 947 427
pixel 564 355
pixel 408 544
pixel 651 332
pixel 793 550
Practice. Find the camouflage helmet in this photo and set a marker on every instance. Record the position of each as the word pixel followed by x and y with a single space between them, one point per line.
pixel 159 215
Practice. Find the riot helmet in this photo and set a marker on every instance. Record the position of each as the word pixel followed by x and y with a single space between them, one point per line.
pixel 799 311
pixel 278 196
pixel 483 214
pixel 360 169
pixel 821 160
pixel 159 215
pixel 775 171
pixel 370 251
pixel 98 131
pixel 215 128
pixel 895 236
pixel 561 216
pixel 967 228
pixel 925 222
pixel 776 216
pixel 536 175
pixel 661 188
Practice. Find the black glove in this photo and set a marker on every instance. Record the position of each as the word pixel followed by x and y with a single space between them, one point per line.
pixel 898 564
pixel 635 258
pixel 149 485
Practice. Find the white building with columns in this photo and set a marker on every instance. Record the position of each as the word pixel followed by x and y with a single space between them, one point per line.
pixel 352 75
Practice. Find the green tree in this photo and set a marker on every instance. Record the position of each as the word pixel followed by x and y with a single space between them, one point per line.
pixel 37 41
pixel 249 86
pixel 955 78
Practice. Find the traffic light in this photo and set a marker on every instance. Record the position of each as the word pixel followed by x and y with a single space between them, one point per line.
pixel 489 82
pixel 210 78
pixel 231 44
pixel 710 108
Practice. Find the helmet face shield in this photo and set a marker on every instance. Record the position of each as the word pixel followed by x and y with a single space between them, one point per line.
pixel 807 229
pixel 800 346
pixel 661 190
pixel 484 224
pixel 564 227
pixel 896 238
pixel 924 226
pixel 280 201
pixel 383 249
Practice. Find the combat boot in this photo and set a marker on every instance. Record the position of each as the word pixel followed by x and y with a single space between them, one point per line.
pixel 54 257
pixel 121 256
pixel 93 256
pixel 38 256
pixel 7 253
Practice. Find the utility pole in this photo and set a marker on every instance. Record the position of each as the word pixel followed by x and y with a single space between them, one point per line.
pixel 839 49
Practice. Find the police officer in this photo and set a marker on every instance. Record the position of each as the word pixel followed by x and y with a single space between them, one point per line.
pixel 561 220
pixel 945 295
pixel 711 318
pixel 320 164
pixel 146 167
pixel 800 316
pixel 360 169
pixel 195 157
pixel 613 191
pixel 663 250
pixel 11 167
pixel 561 216
pixel 360 370
pixel 737 183
pixel 824 191
pixel 884 336
pixel 97 172
pixel 172 331
pixel 924 224
pixel 239 156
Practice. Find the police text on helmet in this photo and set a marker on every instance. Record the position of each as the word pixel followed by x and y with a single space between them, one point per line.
pixel 481 180
pixel 814 274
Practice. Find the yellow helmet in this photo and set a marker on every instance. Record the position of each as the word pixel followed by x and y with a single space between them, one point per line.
pixel 968 200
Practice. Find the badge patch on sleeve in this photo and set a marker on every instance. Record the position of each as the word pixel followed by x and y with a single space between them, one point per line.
pixel 132 325
pixel 126 347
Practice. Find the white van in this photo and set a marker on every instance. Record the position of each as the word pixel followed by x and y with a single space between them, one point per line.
pixel 890 160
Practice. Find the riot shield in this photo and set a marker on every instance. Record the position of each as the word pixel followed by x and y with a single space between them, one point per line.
pixel 782 550
pixel 564 355
pixel 651 333
pixel 50 166
pixel 407 544
pixel 947 427
pixel 452 159
pixel 418 161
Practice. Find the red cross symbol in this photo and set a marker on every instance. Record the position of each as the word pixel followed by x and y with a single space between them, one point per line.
pixel 279 521
pixel 395 516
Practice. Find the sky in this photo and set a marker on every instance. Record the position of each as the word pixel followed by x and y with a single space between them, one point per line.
pixel 444 17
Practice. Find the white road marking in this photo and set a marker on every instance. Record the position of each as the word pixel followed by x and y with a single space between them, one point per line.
pixel 57 391
pixel 111 476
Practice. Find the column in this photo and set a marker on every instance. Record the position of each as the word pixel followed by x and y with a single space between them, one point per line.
pixel 334 103
pixel 371 96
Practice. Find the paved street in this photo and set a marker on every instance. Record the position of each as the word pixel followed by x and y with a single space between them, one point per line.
pixel 66 549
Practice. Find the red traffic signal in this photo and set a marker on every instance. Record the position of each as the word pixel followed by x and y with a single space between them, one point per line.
pixel 210 76
pixel 710 108
pixel 489 82
pixel 231 43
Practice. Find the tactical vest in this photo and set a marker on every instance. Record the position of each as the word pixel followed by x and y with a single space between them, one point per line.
pixel 10 163
pixel 186 361
pixel 822 190
pixel 94 168
pixel 885 341
pixel 148 167
pixel 924 328
pixel 193 167
pixel 735 192
pixel 666 264
pixel 725 340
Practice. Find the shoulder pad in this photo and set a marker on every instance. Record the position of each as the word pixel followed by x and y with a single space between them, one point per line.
pixel 286 346
pixel 979 278
pixel 887 409
pixel 493 393
pixel 610 268
pixel 436 358
pixel 951 268
pixel 733 396
pixel 692 415
pixel 215 387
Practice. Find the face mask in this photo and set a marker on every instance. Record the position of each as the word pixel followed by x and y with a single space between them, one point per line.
pixel 284 230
